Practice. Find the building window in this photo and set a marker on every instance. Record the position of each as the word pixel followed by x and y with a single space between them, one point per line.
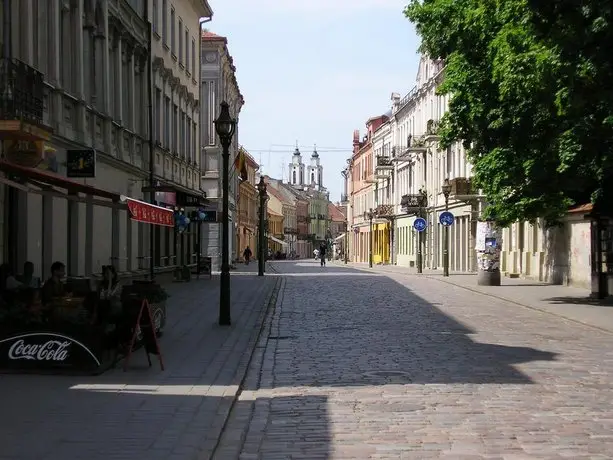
pixel 194 58
pixel 167 122
pixel 211 119
pixel 173 35
pixel 158 113
pixel 195 141
pixel 175 127
pixel 180 41
pixel 155 18
pixel 182 145
pixel 187 50
pixel 165 22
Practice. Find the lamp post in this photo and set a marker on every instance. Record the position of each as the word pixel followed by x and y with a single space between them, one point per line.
pixel 422 203
pixel 261 223
pixel 225 126
pixel 346 240
pixel 370 236
pixel 446 188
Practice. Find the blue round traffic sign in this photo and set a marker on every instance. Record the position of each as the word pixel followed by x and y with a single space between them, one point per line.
pixel 446 218
pixel 420 224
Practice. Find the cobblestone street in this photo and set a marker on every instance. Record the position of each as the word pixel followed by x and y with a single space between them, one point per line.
pixel 357 365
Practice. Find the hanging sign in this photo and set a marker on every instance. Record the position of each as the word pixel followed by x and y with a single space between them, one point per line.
pixel 149 213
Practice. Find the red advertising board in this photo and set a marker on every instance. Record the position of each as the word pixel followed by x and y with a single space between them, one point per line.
pixel 149 213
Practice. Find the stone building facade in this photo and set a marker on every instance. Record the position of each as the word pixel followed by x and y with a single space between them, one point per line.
pixel 93 56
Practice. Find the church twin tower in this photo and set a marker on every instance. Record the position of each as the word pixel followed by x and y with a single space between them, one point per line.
pixel 315 174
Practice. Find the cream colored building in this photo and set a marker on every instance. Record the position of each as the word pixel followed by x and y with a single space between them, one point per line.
pixel 421 165
pixel 93 58
pixel 218 84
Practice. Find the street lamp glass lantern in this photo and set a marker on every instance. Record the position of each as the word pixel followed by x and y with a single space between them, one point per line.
pixel 446 188
pixel 225 125
pixel 262 186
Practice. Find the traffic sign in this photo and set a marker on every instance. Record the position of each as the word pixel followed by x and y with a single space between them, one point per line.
pixel 420 224
pixel 446 218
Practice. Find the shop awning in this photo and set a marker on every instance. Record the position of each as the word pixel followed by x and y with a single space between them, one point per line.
pixel 339 237
pixel 148 213
pixel 277 240
pixel 53 179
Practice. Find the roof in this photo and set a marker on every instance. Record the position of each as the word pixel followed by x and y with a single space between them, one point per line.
pixel 276 193
pixel 250 158
pixel 335 214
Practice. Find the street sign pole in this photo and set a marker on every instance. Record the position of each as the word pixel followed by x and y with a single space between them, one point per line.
pixel 419 225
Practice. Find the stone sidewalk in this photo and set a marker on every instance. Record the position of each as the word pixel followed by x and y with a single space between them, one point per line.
pixel 563 301
pixel 145 414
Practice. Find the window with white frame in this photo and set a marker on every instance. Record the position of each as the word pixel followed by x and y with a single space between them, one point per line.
pixel 187 67
pixel 167 123
pixel 173 35
pixel 212 107
pixel 165 22
pixel 180 54
pixel 155 16
pixel 194 58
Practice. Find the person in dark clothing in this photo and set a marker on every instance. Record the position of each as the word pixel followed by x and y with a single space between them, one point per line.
pixel 54 286
pixel 247 255
pixel 322 254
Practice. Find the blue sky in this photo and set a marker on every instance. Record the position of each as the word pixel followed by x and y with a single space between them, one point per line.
pixel 313 71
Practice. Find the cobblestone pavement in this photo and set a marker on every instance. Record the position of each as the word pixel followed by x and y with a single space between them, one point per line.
pixel 356 365
pixel 568 302
pixel 144 414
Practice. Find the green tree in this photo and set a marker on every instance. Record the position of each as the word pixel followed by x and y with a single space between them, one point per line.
pixel 531 98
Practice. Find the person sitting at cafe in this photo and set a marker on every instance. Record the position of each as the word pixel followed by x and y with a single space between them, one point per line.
pixel 8 282
pixel 109 286
pixel 27 278
pixel 54 286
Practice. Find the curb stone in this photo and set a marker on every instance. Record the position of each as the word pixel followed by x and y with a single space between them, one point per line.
pixel 243 371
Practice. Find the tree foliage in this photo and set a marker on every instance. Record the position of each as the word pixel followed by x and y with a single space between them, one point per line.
pixel 531 86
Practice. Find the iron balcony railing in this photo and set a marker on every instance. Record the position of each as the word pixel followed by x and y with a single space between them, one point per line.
pixel 21 91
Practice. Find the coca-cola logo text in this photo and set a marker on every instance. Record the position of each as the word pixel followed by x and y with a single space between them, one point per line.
pixel 52 350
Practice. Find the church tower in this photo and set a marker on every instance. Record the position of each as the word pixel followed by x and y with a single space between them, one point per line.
pixel 316 171
pixel 296 169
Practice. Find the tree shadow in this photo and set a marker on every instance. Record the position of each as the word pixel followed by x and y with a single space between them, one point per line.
pixel 581 300
pixel 372 331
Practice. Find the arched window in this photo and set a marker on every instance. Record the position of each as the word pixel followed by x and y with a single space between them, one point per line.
pixel 312 178
pixel 294 177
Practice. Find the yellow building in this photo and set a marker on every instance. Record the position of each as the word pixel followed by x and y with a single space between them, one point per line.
pixel 275 232
pixel 247 208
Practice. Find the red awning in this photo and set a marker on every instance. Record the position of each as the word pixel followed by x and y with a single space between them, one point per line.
pixel 149 213
pixel 48 177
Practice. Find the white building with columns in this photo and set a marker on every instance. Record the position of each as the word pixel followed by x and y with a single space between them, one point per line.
pixel 420 164
pixel 93 57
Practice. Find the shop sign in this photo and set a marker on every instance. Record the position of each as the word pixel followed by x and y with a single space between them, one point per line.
pixel 45 350
pixel 23 152
pixel 150 214
pixel 81 163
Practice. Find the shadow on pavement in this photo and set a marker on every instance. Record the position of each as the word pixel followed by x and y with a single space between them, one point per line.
pixel 342 327
pixel 574 300
pixel 143 413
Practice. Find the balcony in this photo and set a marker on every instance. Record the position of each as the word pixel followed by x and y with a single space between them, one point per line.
pixel 413 204
pixel 461 186
pixel 21 102
pixel 384 163
pixel 432 131
pixel 290 231
pixel 344 198
pixel 417 144
pixel 384 211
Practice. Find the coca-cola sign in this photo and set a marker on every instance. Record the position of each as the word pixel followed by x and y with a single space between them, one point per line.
pixel 45 349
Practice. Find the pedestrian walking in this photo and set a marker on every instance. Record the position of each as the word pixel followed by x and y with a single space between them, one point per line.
pixel 247 255
pixel 322 254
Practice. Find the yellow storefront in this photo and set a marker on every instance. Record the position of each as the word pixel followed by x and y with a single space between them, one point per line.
pixel 381 243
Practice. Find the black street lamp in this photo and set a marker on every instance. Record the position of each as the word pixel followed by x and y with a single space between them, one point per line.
pixel 370 215
pixel 446 189
pixel 261 224
pixel 346 241
pixel 225 126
